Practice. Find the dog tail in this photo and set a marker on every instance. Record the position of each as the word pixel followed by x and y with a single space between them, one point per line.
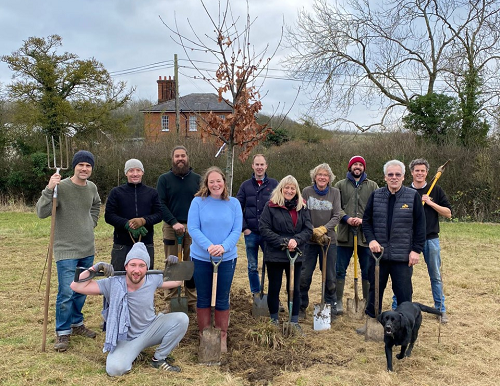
pixel 430 310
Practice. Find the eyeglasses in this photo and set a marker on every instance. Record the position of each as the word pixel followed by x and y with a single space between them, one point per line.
pixel 397 175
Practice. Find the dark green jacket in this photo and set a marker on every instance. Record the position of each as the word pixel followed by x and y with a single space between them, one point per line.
pixel 350 194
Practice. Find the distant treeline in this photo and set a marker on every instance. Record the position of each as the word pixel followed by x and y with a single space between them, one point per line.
pixel 471 180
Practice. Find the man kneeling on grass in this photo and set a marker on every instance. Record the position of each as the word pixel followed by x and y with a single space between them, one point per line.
pixel 131 322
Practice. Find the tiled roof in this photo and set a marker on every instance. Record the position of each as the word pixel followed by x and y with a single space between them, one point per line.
pixel 198 102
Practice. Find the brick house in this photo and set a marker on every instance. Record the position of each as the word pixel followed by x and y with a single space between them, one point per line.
pixel 159 120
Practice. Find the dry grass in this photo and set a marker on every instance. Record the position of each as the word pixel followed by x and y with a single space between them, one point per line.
pixel 467 351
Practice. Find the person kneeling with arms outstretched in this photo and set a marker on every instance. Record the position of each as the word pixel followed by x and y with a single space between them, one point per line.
pixel 131 322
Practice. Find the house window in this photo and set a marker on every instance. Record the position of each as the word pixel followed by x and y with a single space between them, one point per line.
pixel 222 117
pixel 164 123
pixel 192 123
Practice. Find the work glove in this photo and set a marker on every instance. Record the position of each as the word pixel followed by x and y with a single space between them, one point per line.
pixel 171 259
pixel 319 231
pixel 136 232
pixel 143 231
pixel 106 268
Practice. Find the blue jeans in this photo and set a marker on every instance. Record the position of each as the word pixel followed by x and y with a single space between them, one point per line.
pixel 344 257
pixel 252 243
pixel 313 254
pixel 432 257
pixel 69 304
pixel 203 274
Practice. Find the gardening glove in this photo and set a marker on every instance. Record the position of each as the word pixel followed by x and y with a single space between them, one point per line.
pixel 106 268
pixel 143 231
pixel 319 231
pixel 134 232
pixel 171 259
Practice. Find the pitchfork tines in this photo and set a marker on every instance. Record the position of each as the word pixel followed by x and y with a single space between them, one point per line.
pixel 57 153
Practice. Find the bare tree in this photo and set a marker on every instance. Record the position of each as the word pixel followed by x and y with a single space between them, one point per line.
pixel 385 53
pixel 238 79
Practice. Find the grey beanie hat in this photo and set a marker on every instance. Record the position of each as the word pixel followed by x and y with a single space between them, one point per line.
pixel 83 156
pixel 133 163
pixel 138 251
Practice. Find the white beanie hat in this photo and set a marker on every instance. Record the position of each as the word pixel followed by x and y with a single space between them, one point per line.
pixel 133 163
pixel 138 251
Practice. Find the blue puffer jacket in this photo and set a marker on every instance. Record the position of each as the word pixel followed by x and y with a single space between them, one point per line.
pixel 253 199
pixel 407 226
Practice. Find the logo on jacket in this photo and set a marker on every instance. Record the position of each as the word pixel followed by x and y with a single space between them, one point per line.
pixel 404 206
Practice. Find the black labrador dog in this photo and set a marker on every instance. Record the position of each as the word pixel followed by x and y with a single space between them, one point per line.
pixel 401 328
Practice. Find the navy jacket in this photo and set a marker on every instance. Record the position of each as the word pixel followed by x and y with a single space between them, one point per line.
pixel 276 224
pixel 130 201
pixel 396 222
pixel 253 198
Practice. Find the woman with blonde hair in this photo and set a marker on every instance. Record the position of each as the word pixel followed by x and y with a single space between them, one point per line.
pixel 284 224
pixel 214 223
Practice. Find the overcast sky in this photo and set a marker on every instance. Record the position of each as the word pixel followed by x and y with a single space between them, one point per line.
pixel 128 34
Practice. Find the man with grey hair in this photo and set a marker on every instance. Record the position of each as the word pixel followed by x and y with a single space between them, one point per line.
pixel 132 209
pixel 435 204
pixel 394 219
pixel 323 202
pixel 176 189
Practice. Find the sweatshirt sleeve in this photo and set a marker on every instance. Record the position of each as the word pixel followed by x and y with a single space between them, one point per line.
pixel 44 204
pixel 232 239
pixel 368 220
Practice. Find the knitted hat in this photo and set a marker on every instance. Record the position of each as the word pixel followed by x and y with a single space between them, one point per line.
pixel 83 156
pixel 356 158
pixel 138 251
pixel 133 163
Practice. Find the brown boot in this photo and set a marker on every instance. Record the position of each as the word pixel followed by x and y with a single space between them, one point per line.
pixel 83 331
pixel 203 316
pixel 62 343
pixel 222 322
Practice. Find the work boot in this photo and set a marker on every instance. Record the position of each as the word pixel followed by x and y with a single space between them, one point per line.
pixel 302 313
pixel 333 311
pixel 203 316
pixel 62 343
pixel 83 331
pixel 365 284
pixel 443 319
pixel 222 322
pixel 340 295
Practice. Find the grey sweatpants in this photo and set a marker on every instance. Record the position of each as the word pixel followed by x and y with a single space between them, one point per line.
pixel 166 330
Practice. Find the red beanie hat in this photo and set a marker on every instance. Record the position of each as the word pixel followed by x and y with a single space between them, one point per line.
pixel 356 158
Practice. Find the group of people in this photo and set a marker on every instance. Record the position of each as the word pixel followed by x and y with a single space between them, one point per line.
pixel 201 219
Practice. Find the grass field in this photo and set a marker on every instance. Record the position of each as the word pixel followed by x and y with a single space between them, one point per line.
pixel 465 351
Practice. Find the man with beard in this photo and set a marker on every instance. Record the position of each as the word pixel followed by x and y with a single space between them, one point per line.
pixel 176 189
pixel 132 324
pixel 355 190
pixel 132 209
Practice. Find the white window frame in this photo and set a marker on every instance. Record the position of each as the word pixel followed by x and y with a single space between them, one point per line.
pixel 164 123
pixel 193 123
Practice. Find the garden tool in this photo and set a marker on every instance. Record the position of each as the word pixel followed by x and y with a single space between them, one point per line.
pixel 210 345
pixel 174 272
pixel 356 307
pixel 260 307
pixel 288 326
pixel 63 164
pixel 323 312
pixel 436 177
pixel 179 303
pixel 374 330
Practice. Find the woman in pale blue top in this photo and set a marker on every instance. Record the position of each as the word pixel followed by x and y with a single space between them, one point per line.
pixel 214 223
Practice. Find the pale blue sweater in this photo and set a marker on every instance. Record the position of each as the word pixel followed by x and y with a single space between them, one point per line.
pixel 214 221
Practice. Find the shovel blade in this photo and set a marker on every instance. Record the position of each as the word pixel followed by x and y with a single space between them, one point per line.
pixel 356 312
pixel 183 270
pixel 210 352
pixel 179 304
pixel 322 317
pixel 374 330
pixel 259 307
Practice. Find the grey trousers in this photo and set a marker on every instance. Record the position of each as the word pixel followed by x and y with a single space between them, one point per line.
pixel 166 330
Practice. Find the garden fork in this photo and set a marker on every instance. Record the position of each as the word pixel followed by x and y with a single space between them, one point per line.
pixel 63 164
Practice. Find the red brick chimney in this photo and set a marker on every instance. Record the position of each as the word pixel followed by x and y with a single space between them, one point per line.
pixel 166 89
